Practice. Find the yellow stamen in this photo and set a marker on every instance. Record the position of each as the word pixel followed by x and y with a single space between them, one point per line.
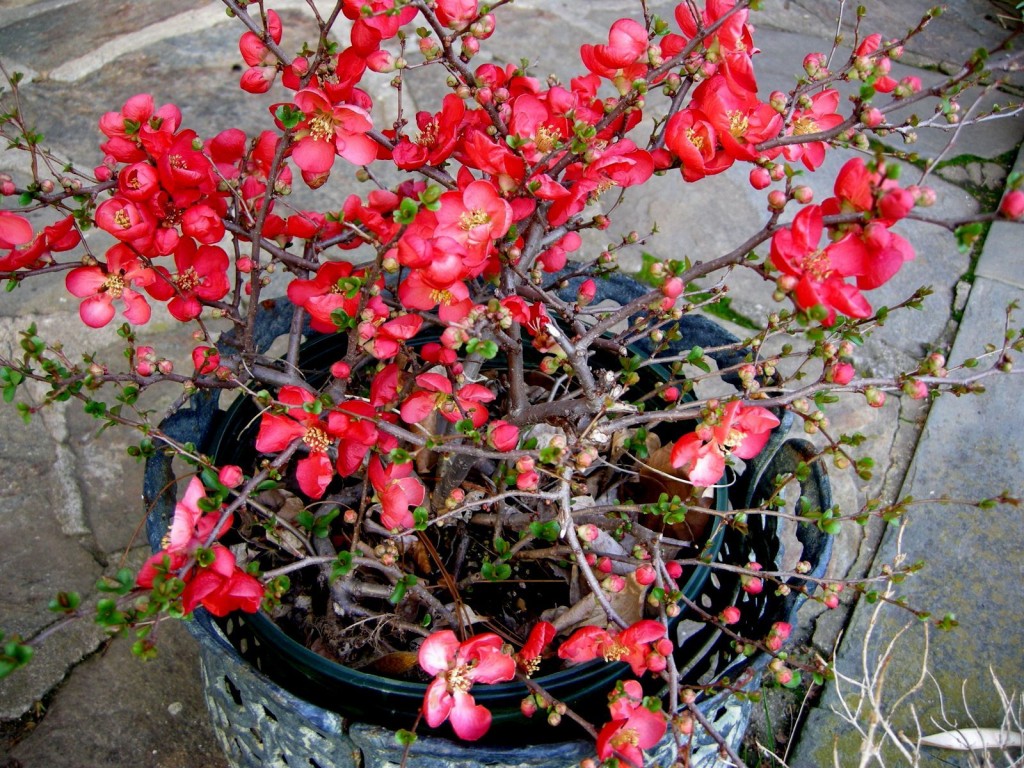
pixel 321 127
pixel 316 439
pixel 113 285
pixel 804 125
pixel 472 219
pixel 738 123
pixel 122 219
pixel 187 280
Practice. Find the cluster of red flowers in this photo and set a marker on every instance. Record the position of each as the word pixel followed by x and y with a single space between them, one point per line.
pixel 865 249
pixel 637 722
pixel 211 576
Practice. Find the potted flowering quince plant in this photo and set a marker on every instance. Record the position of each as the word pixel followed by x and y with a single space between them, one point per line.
pixel 442 463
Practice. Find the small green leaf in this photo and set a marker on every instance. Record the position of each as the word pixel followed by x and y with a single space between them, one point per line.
pixel 289 115
pixel 65 602
pixel 341 566
pixel 405 738
pixel 548 531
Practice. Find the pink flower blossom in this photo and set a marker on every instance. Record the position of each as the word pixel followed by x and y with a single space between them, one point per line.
pixel 101 285
pixel 326 131
pixel 734 429
pixel 637 724
pixel 633 645
pixel 457 666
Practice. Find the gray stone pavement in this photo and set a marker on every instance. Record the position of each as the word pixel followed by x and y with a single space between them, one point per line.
pixel 71 497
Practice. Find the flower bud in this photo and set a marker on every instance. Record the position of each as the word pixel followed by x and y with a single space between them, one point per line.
pixel 760 178
pixel 875 397
pixel 231 476
pixel 840 373
pixel 729 615
pixel 613 583
pixel 673 287
pixel 644 575
pixel 776 200
pixel 916 390
pixel 752 585
pixel 586 292
pixel 1012 206
pixel 803 194
pixel 814 65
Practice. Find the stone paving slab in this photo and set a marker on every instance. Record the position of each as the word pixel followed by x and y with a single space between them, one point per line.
pixel 971 448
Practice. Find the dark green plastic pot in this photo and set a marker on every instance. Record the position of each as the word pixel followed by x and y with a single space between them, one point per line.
pixel 381 700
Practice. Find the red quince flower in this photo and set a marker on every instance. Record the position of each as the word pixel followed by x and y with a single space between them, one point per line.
pixel 637 724
pixel 693 139
pixel 438 134
pixel 624 57
pixel 384 341
pixel 474 216
pixel 734 429
pixel 102 284
pixel 202 276
pixel 139 128
pixel 222 587
pixel 59 236
pixel 128 221
pixel 632 645
pixel 278 431
pixel 621 164
pixel 205 359
pixel 379 14
pixel 435 394
pixel 533 123
pixel 359 435
pixel 730 46
pixel 399 490
pixel 329 292
pixel 457 666
pixel 740 119
pixel 254 51
pixel 327 131
pixel 528 658
pixel 505 167
pixel 817 274
pixel 185 172
pixel 820 117
pixel 191 527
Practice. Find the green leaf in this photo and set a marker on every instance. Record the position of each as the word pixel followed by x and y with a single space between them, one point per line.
pixel 407 211
pixel 289 115
pixel 405 738
pixel 65 602
pixel 341 566
pixel 498 571
pixel 120 583
pixel 305 519
pixel 548 531
pixel 13 655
